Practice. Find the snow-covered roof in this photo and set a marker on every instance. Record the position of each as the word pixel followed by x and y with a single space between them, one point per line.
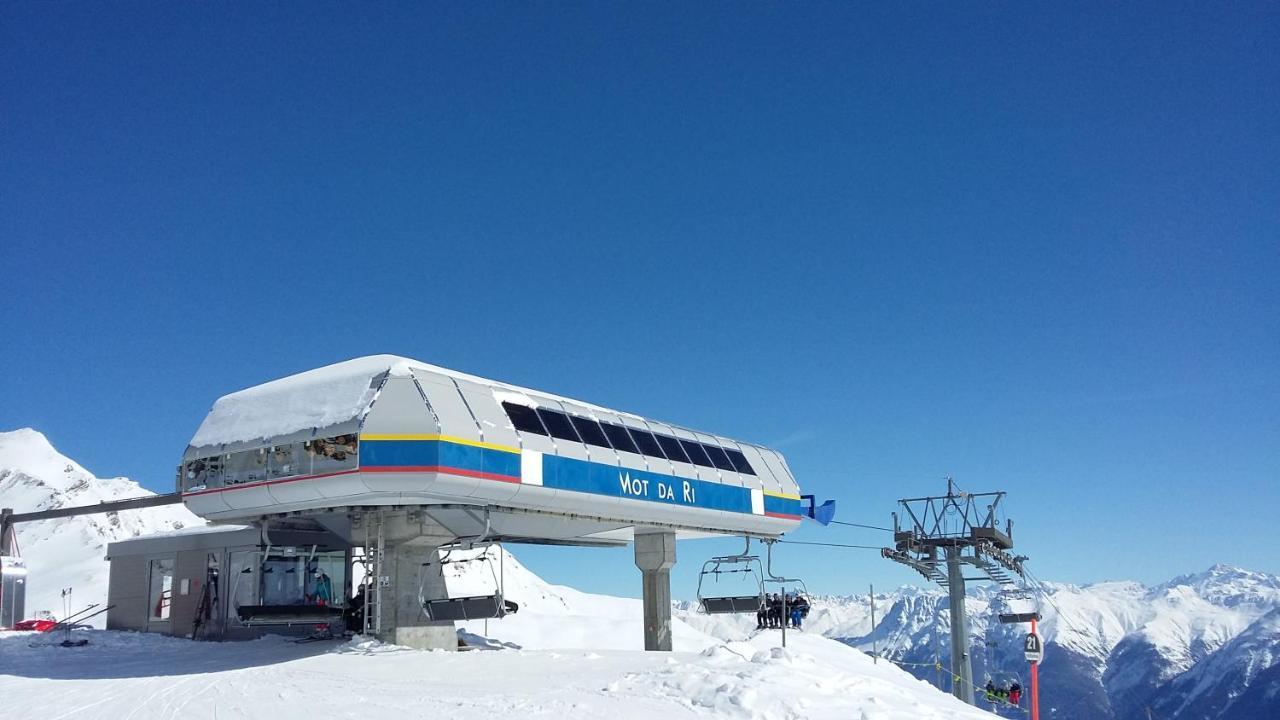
pixel 330 396
pixel 318 398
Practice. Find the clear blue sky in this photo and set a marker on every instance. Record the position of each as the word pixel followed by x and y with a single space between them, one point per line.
pixel 1037 249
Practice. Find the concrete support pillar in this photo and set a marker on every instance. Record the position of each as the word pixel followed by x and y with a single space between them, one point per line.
pixel 655 554
pixel 410 558
pixel 961 663
pixel 403 621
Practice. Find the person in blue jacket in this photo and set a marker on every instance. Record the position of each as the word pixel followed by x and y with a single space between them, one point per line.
pixel 799 608
pixel 322 590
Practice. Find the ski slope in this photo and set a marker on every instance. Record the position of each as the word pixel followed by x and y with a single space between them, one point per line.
pixel 136 676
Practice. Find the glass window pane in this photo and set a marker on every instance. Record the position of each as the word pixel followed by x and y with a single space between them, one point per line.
pixel 718 458
pixel 246 467
pixel 558 424
pixel 242 569
pixel 696 453
pixel 288 460
pixel 740 461
pixel 646 442
pixel 284 579
pixel 333 454
pixel 202 473
pixel 590 431
pixel 619 438
pixel 161 590
pixel 525 419
pixel 671 447
pixel 326 578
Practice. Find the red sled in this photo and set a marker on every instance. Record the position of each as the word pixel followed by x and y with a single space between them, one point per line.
pixel 37 625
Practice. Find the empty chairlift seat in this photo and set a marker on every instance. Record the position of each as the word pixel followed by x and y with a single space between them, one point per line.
pixel 745 567
pixel 479 607
pixel 732 604
pixel 473 607
pixel 261 615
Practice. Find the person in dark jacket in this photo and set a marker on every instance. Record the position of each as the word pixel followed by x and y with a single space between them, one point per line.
pixel 762 614
pixel 1015 693
pixel 775 611
pixel 353 614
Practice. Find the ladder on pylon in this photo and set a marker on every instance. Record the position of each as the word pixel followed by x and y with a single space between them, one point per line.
pixel 374 550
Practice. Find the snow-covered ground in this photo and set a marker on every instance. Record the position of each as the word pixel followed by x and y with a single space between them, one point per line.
pixel 129 675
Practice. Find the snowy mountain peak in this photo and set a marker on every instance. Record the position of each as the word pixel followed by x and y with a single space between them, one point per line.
pixel 67 552
pixel 1228 586
pixel 29 452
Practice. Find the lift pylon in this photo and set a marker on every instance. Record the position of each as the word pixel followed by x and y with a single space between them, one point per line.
pixel 945 533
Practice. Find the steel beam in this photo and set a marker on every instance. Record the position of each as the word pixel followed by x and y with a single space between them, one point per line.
pixel 961 665
pixel 8 518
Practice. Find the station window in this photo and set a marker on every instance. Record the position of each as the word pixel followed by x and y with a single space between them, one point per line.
pixel 558 425
pixel 242 575
pixel 202 473
pixel 332 454
pixel 739 461
pixel 696 453
pixel 619 438
pixel 718 458
pixel 671 447
pixel 524 418
pixel 590 431
pixel 626 439
pixel 246 467
pixel 287 460
pixel 647 443
pixel 160 596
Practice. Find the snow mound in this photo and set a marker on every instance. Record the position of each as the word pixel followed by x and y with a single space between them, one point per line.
pixel 812 678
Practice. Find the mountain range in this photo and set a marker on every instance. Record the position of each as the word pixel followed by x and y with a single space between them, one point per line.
pixel 1204 646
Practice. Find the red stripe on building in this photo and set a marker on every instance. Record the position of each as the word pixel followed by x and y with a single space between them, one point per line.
pixel 440 469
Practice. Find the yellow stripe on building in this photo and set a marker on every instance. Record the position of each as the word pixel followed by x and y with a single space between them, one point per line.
pixel 444 438
pixel 782 495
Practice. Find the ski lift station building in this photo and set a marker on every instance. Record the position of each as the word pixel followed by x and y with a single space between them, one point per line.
pixel 400 458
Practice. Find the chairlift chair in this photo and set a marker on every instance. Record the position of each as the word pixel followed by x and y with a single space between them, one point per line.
pixel 1015 593
pixel 280 615
pixel 743 563
pixel 474 607
pixel 796 583
pixel 782 581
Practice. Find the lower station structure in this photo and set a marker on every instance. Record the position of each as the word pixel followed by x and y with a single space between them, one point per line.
pixel 384 461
